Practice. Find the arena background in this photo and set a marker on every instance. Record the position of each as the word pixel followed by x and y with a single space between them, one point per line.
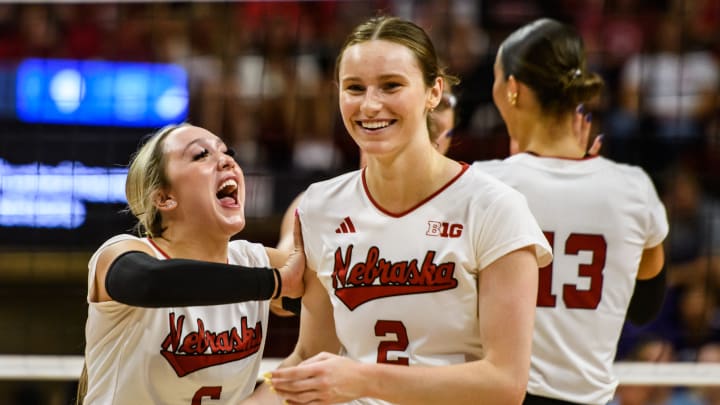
pixel 260 74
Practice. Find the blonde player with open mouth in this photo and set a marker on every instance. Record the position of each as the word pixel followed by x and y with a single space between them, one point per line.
pixel 180 314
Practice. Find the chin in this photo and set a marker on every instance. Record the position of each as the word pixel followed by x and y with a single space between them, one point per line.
pixel 237 223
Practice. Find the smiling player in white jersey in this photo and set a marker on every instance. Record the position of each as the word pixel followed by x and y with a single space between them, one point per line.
pixel 421 272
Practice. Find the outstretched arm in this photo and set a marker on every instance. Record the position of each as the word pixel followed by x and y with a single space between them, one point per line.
pixel 129 272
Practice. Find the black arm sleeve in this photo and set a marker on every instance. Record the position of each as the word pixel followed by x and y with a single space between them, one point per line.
pixel 138 279
pixel 647 299
pixel 292 304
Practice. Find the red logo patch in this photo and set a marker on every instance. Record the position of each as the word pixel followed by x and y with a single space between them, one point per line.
pixel 188 354
pixel 379 278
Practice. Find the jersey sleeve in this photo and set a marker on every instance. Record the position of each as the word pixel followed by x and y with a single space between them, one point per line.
pixel 249 254
pixel 657 222
pixel 509 225
pixel 92 263
pixel 311 251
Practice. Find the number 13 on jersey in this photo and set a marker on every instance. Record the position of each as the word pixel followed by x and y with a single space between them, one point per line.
pixel 572 296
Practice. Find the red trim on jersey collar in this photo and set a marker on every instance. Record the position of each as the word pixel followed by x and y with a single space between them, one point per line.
pixel 167 256
pixel 586 157
pixel 463 169
pixel 162 252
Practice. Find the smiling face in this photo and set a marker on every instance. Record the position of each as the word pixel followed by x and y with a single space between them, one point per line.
pixel 206 186
pixel 383 99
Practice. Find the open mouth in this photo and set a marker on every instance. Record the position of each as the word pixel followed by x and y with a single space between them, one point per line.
pixel 227 192
pixel 375 125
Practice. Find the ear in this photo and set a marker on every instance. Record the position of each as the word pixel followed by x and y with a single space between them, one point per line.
pixel 513 86
pixel 164 202
pixel 435 93
pixel 513 90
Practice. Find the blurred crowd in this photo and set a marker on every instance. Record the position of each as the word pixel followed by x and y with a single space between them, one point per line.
pixel 262 75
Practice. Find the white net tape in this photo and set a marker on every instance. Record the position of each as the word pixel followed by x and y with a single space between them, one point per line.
pixel 64 368
pixel 67 368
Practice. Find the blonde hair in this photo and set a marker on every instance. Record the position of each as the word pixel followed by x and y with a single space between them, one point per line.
pixel 82 386
pixel 146 176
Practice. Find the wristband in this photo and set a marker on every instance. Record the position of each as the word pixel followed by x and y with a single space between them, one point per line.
pixel 279 284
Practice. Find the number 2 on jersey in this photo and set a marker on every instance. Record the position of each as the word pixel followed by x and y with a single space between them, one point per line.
pixel 572 296
pixel 383 328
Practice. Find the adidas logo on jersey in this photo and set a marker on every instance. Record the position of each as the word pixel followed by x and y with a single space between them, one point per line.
pixel 346 226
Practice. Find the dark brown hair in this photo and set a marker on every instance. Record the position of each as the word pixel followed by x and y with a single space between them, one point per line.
pixel 549 57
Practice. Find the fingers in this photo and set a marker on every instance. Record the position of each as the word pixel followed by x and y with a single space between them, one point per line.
pixel 316 358
pixel 581 126
pixel 297 233
pixel 298 385
pixel 292 271
pixel 596 146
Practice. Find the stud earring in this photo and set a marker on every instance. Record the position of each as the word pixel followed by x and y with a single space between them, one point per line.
pixel 512 99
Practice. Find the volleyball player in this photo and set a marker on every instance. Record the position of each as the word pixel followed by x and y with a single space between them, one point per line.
pixel 421 273
pixel 604 220
pixel 181 314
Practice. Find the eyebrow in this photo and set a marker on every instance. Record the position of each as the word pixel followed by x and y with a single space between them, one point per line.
pixel 218 142
pixel 381 77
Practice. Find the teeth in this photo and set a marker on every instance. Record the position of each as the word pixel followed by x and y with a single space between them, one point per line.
pixel 228 183
pixel 375 124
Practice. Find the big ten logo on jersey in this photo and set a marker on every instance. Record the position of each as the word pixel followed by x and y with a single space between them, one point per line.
pixel 444 229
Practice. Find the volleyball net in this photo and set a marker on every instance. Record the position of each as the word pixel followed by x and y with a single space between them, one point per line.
pixel 68 368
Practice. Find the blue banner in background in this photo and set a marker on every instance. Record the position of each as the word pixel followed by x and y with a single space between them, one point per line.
pixel 37 195
pixel 84 92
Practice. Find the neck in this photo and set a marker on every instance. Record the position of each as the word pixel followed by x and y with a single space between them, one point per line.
pixel 400 183
pixel 196 246
pixel 552 137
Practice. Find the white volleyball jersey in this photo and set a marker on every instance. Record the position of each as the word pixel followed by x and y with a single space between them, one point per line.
pixel 178 355
pixel 404 286
pixel 599 216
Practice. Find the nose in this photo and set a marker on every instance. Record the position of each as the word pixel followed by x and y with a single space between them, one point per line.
pixel 226 162
pixel 371 102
